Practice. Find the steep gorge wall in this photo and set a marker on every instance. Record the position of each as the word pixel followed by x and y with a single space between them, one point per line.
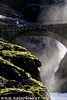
pixel 61 76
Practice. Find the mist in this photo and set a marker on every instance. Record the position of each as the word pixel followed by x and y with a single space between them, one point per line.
pixel 50 58
pixel 54 52
pixel 55 13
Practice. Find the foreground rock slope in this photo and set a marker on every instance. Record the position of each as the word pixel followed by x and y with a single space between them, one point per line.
pixel 19 74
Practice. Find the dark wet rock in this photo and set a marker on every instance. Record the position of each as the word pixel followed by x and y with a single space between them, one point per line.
pixel 13 83
pixel 61 75
pixel 23 59
pixel 19 73
pixel 3 81
pixel 8 92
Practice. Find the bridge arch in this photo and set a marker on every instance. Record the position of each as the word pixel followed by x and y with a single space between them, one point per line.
pixel 50 34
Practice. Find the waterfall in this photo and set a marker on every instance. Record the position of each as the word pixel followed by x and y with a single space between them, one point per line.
pixel 50 58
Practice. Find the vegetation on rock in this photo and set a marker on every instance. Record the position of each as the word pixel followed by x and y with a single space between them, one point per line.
pixel 19 74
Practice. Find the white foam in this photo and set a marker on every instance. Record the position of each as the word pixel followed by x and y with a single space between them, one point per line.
pixel 62 49
pixel 58 96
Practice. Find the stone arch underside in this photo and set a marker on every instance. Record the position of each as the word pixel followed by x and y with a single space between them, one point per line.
pixel 50 34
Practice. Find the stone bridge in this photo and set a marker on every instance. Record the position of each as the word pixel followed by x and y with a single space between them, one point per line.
pixel 57 31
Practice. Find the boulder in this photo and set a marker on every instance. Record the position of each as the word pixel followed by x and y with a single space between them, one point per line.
pixel 19 74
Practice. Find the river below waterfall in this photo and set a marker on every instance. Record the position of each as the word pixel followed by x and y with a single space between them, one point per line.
pixel 58 96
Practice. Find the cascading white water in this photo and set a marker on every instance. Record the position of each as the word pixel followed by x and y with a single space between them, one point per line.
pixel 50 58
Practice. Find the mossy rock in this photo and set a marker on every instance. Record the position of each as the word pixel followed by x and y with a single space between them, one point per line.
pixel 20 56
pixel 19 73
pixel 15 92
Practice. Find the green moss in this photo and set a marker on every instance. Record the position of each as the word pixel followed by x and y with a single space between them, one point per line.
pixel 6 44
pixel 15 53
pixel 36 91
pixel 5 61
pixel 11 50
pixel 6 53
pixel 1 47
pixel 32 89
pixel 15 68
pixel 9 63
pixel 3 79
pixel 5 90
pixel 38 82
pixel 28 74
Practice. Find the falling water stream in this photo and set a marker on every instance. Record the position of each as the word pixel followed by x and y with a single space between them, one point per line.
pixel 51 58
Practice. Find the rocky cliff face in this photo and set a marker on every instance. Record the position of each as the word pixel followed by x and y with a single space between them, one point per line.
pixel 19 74
pixel 61 76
